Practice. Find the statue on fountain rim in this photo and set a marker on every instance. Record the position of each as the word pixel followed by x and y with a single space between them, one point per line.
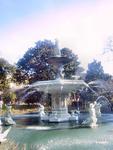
pixel 97 108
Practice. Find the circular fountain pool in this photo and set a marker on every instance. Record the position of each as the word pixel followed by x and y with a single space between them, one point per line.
pixel 64 134
pixel 38 135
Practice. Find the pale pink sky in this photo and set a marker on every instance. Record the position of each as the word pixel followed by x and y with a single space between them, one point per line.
pixel 81 26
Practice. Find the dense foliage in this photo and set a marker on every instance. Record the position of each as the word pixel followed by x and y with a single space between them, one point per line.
pixel 19 76
pixel 95 71
pixel 71 68
pixel 34 66
pixel 34 63
pixel 5 72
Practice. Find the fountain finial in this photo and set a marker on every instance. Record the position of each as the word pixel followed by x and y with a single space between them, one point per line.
pixel 56 42
pixel 58 61
pixel 57 50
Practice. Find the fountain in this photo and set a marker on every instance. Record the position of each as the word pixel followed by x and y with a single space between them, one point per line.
pixel 59 89
pixel 60 129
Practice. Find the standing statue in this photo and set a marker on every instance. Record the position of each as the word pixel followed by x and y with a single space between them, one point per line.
pixel 42 113
pixel 41 109
pixel 8 117
pixel 92 119
pixel 97 109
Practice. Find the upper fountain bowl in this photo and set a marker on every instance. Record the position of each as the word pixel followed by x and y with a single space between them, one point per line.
pixel 58 60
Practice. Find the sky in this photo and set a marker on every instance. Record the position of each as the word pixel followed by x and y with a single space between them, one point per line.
pixel 81 25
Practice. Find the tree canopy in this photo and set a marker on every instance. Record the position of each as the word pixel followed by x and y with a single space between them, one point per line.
pixel 5 72
pixel 95 71
pixel 71 68
pixel 34 63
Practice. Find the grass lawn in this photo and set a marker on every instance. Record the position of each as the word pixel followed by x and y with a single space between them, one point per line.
pixel 21 109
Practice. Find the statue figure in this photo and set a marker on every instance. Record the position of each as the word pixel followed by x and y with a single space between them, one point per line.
pixel 7 117
pixel 41 109
pixel 92 113
pixel 97 108
pixel 74 116
pixel 42 114
pixel 92 120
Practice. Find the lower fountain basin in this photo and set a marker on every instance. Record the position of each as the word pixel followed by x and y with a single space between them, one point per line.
pixel 35 134
pixel 34 119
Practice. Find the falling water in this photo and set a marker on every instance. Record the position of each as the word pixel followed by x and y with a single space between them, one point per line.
pixel 105 104
pixel 102 100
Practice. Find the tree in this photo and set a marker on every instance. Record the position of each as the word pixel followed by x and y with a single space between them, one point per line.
pixel 9 97
pixel 71 68
pixel 5 72
pixel 95 71
pixel 34 63
pixel 19 76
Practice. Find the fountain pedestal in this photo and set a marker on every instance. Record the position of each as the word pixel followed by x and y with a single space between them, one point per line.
pixel 59 89
pixel 59 107
pixel 59 115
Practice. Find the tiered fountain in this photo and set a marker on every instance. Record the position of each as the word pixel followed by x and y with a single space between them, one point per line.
pixel 59 90
pixel 87 138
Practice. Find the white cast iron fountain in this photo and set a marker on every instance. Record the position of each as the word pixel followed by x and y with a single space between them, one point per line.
pixel 59 90
pixel 33 133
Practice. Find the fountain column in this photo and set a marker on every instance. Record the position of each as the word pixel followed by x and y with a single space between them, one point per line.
pixel 59 108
